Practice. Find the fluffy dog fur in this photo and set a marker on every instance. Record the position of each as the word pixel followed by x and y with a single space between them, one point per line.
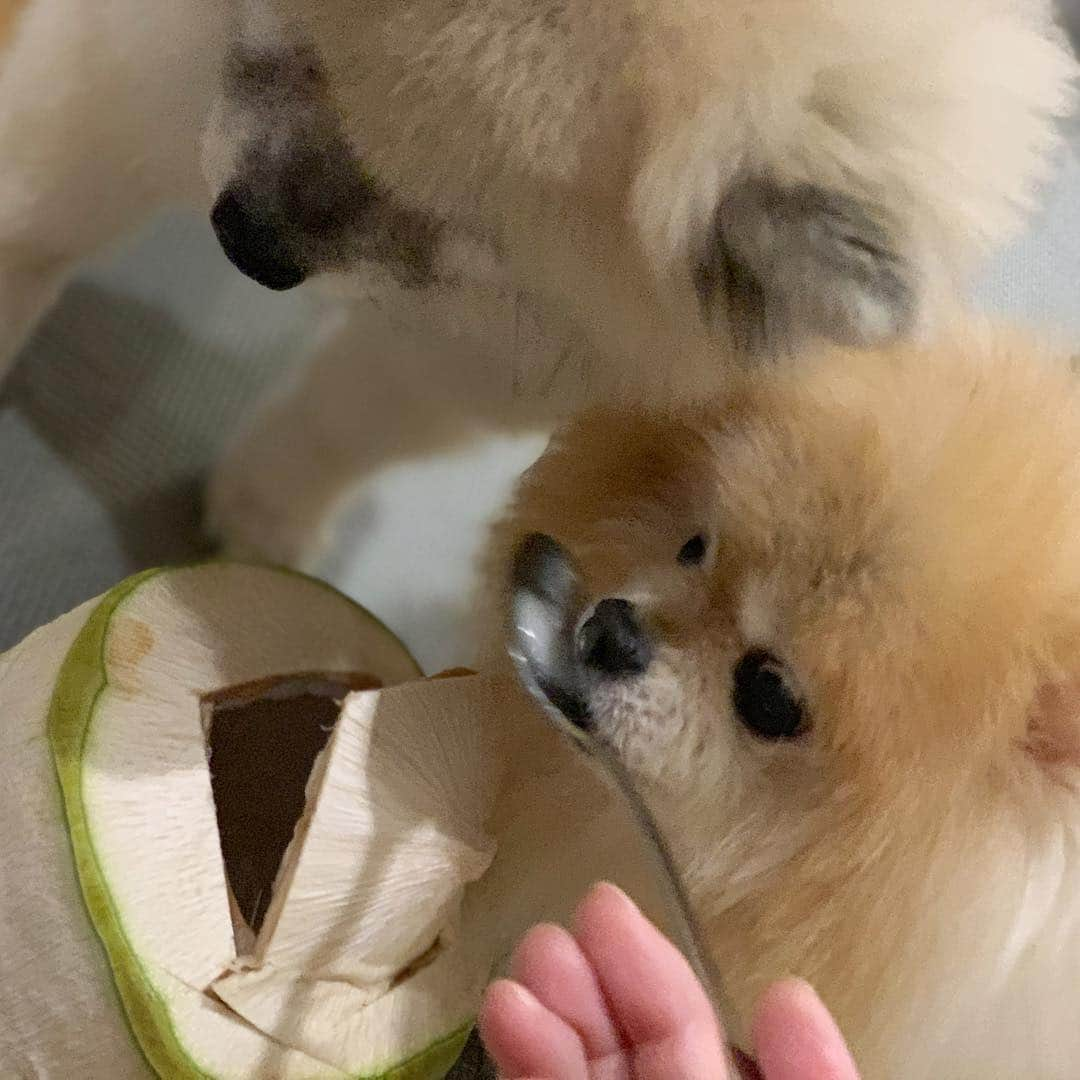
pixel 629 181
pixel 902 531
pixel 639 162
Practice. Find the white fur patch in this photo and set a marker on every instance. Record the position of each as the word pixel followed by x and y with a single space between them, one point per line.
pixel 757 612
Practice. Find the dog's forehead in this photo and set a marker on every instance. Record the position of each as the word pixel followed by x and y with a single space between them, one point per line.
pixel 801 483
pixel 913 550
pixel 268 74
pixel 761 492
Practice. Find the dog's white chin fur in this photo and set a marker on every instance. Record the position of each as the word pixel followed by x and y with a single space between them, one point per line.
pixel 980 980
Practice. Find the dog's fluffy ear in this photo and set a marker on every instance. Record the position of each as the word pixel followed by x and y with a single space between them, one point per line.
pixel 842 171
pixel 801 260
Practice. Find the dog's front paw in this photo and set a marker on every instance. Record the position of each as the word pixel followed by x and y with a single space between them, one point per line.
pixel 25 295
pixel 262 508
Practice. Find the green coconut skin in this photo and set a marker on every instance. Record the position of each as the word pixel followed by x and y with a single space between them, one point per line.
pixel 78 688
pixel 80 683
pixel 434 1062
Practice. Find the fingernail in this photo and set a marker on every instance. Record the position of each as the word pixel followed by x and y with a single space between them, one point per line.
pixel 615 893
pixel 603 896
pixel 521 994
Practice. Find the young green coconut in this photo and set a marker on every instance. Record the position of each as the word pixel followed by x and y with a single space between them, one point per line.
pixel 227 854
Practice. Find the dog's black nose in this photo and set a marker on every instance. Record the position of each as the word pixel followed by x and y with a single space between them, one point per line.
pixel 612 640
pixel 253 245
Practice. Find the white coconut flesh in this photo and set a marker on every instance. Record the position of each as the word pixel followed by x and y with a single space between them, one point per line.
pixel 153 668
pixel 475 819
pixel 284 887
pixel 358 960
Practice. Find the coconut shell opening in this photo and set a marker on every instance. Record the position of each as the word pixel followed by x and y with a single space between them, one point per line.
pixel 262 741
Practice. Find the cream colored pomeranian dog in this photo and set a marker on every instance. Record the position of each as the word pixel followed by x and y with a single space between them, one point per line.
pixel 533 199
pixel 832 625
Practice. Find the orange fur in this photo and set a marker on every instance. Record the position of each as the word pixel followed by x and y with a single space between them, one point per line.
pixel 903 531
pixel 9 13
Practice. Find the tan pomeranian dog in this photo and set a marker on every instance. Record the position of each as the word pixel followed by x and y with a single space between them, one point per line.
pixel 532 199
pixel 832 626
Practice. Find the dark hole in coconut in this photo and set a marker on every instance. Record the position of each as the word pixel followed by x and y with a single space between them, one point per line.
pixel 262 740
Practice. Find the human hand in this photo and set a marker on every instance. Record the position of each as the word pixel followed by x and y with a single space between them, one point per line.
pixel 616 1000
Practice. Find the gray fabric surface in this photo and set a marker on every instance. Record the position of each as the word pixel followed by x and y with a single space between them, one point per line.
pixel 115 411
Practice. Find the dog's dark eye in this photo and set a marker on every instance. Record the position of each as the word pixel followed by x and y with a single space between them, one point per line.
pixel 762 698
pixel 693 551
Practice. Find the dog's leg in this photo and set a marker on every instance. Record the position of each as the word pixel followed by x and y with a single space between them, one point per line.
pixel 26 293
pixel 391 384
pixel 101 108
